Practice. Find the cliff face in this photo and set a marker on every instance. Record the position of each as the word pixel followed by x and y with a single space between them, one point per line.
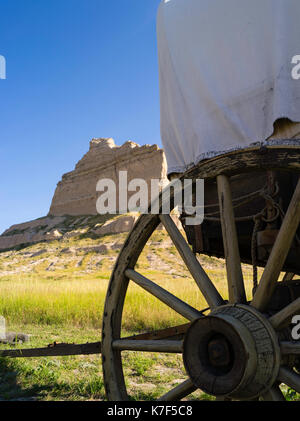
pixel 76 193
pixel 73 209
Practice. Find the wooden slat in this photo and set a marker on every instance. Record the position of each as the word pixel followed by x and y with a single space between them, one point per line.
pixel 54 351
pixel 205 285
pixel 279 253
pixel 283 317
pixel 166 297
pixel 290 378
pixel 236 289
pixel 161 345
pixel 179 392
pixel 288 277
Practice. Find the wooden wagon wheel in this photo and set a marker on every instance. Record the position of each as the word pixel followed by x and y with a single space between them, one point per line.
pixel 235 352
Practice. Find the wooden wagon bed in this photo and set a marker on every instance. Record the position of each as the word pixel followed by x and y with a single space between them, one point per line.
pixel 260 201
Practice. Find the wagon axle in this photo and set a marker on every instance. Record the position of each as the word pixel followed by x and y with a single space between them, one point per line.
pixel 220 353
pixel 232 352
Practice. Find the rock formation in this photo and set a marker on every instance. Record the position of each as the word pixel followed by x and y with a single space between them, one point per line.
pixel 42 229
pixel 61 228
pixel 76 193
pixel 74 202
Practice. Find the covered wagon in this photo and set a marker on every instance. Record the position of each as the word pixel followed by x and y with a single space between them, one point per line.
pixel 230 107
pixel 230 113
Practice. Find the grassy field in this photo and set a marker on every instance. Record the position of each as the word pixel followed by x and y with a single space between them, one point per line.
pixel 59 300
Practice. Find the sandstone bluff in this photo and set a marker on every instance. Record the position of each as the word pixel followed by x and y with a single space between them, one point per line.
pixel 73 207
pixel 76 192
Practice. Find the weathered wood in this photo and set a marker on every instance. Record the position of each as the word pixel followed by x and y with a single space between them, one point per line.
pixel 283 317
pixel 114 383
pixel 289 348
pixel 252 160
pixel 161 345
pixel 279 253
pixel 290 378
pixel 54 351
pixel 204 283
pixel 236 289
pixel 163 295
pixel 288 277
pixel 274 394
pixel 179 392
pixel 162 333
pixel 248 160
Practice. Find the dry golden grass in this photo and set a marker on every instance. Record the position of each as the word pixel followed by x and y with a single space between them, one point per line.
pixel 75 295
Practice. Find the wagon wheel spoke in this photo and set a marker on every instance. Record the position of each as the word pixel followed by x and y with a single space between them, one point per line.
pixel 274 394
pixel 179 392
pixel 161 333
pixel 283 317
pixel 236 288
pixel 167 346
pixel 279 253
pixel 155 341
pixel 163 295
pixel 289 348
pixel 290 378
pixel 204 283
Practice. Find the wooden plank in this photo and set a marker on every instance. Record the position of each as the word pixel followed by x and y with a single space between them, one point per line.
pixel 54 351
pixel 161 345
pixel 236 289
pixel 204 283
pixel 279 253
pixel 163 295
pixel 288 277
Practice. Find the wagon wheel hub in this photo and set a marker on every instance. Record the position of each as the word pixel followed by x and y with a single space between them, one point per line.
pixel 232 352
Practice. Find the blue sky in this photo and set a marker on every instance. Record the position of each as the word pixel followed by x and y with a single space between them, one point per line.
pixel 76 69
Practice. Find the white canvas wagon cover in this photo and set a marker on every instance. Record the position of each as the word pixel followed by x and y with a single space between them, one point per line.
pixel 226 74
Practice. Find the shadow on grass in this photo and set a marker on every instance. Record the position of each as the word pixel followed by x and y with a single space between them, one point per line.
pixel 10 387
pixel 22 380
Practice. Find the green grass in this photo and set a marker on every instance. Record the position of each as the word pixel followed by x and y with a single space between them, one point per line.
pixel 66 305
pixel 56 378
pixel 33 300
pixel 148 375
